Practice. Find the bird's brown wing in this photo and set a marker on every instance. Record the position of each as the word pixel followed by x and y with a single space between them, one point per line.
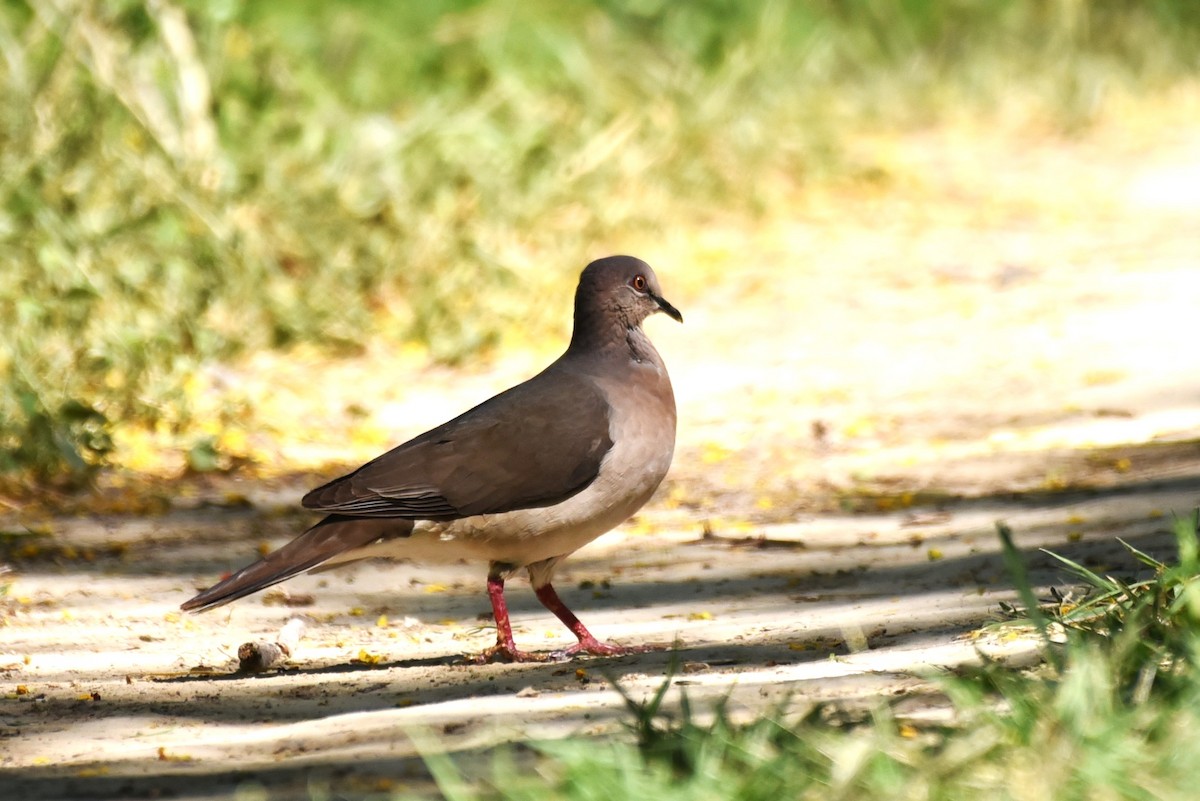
pixel 532 446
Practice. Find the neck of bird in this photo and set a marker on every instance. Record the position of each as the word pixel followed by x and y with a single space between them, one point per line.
pixel 641 349
pixel 590 336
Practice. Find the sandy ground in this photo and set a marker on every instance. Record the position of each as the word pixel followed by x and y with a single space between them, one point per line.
pixel 875 383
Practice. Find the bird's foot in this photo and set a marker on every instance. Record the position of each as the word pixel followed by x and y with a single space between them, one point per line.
pixel 501 652
pixel 590 645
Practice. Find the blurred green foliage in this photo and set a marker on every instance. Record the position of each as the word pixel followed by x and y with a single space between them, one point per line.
pixel 181 184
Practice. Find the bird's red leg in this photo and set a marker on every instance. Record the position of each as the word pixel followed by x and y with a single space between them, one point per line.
pixel 587 643
pixel 505 649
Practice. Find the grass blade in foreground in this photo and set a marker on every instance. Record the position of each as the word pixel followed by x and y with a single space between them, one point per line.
pixel 1015 565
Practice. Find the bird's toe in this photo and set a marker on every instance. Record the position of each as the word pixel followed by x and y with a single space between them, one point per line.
pixel 506 653
pixel 594 647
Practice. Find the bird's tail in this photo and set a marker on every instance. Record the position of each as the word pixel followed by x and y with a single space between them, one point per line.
pixel 334 535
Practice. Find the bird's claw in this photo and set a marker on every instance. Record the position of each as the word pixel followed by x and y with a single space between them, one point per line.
pixel 508 653
pixel 590 646
pixel 594 647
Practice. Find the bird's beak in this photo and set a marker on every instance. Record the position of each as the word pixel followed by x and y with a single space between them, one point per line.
pixel 670 310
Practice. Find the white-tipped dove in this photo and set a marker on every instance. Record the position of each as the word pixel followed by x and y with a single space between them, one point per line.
pixel 520 481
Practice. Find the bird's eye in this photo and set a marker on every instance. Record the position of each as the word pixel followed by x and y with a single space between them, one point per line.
pixel 639 283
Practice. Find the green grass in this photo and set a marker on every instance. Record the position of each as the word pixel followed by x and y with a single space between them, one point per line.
pixel 1110 715
pixel 178 190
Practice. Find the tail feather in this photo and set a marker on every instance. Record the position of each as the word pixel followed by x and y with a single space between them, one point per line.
pixel 334 535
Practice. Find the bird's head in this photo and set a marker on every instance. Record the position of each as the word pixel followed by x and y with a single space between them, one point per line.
pixel 620 287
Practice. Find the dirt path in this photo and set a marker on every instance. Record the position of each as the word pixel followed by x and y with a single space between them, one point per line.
pixel 874 384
